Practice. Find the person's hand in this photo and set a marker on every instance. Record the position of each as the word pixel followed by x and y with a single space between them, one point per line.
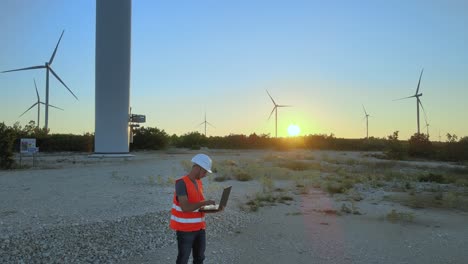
pixel 208 202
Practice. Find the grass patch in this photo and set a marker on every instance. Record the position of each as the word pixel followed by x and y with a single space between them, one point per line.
pixel 295 165
pixel 294 213
pixel 395 216
pixel 151 180
pixel 220 178
pixel 440 200
pixel 338 186
pixel 266 199
pixel 432 177
pixel 242 176
pixel 350 210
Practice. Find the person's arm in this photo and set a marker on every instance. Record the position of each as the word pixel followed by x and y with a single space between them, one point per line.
pixel 187 206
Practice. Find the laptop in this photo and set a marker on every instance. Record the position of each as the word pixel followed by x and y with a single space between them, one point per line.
pixel 222 203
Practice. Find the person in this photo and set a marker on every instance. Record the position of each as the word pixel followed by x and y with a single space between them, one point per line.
pixel 186 218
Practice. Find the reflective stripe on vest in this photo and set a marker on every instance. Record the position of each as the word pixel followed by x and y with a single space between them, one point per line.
pixel 188 221
pixel 180 209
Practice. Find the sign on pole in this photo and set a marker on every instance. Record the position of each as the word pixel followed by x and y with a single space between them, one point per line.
pixel 28 146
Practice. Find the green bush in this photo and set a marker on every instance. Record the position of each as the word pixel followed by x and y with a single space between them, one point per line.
pixel 420 146
pixel 66 142
pixel 7 138
pixel 395 149
pixel 432 177
pixel 192 140
pixel 149 138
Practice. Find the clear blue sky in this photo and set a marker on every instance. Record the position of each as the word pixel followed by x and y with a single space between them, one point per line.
pixel 326 58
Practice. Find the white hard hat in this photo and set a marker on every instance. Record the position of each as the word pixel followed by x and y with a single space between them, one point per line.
pixel 203 161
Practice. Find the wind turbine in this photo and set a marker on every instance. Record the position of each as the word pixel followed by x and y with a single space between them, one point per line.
pixel 38 103
pixel 425 121
pixel 418 101
pixel 367 121
pixel 275 109
pixel 48 68
pixel 205 122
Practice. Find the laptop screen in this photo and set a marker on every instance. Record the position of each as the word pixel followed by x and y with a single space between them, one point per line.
pixel 225 196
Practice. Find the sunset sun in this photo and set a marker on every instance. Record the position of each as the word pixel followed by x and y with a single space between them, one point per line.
pixel 293 130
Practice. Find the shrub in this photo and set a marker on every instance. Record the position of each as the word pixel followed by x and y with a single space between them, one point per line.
pixel 193 140
pixel 395 149
pixel 395 216
pixel 150 138
pixel 432 177
pixel 7 138
pixel 295 165
pixel 420 146
pixel 242 176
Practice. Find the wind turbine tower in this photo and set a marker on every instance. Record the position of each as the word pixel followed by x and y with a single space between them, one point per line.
pixel 275 109
pixel 367 121
pixel 112 87
pixel 48 68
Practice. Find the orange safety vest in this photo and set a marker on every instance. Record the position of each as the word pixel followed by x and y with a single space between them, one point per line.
pixel 188 221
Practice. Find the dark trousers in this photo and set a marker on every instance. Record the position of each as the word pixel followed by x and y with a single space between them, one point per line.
pixel 194 242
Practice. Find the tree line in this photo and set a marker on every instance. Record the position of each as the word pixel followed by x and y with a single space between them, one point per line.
pixel 153 138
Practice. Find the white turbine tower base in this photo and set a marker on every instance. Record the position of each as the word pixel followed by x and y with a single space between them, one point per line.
pixel 113 43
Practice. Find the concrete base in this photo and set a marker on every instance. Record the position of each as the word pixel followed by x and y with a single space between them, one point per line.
pixel 111 155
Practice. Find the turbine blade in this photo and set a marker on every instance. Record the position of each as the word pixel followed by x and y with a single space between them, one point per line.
pixel 284 105
pixel 201 124
pixel 404 98
pixel 53 106
pixel 424 111
pixel 272 112
pixel 58 78
pixel 364 109
pixel 28 68
pixel 55 50
pixel 419 82
pixel 28 109
pixel 271 98
pixel 210 124
pixel 37 93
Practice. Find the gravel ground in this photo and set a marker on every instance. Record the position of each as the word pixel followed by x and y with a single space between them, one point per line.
pixel 107 241
pixel 71 209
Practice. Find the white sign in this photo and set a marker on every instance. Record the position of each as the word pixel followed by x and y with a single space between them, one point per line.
pixel 27 145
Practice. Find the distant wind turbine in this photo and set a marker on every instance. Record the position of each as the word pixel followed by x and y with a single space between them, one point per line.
pixel 367 121
pixel 38 103
pixel 48 68
pixel 425 121
pixel 418 101
pixel 206 122
pixel 275 109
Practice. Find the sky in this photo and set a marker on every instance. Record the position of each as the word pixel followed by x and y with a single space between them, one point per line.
pixel 327 59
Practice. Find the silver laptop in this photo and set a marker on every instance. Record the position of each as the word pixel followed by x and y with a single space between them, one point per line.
pixel 222 203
